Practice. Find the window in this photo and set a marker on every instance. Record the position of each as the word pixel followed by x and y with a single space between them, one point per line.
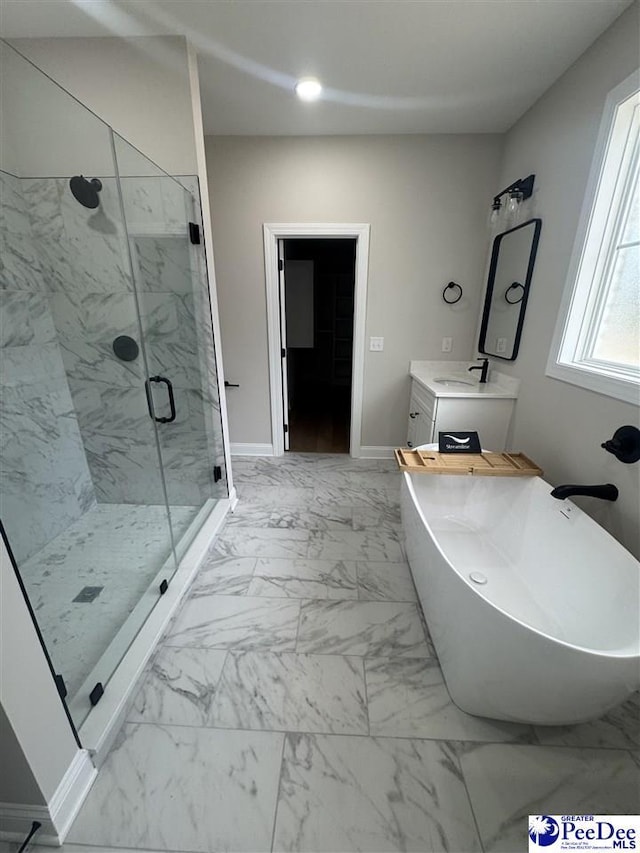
pixel 597 339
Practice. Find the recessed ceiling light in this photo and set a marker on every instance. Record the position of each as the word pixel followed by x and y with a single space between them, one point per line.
pixel 308 89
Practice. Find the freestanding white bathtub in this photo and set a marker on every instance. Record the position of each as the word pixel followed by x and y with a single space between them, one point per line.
pixel 532 606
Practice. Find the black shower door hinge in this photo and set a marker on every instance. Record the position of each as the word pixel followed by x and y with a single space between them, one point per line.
pixel 96 694
pixel 194 233
pixel 164 586
pixel 280 265
pixel 62 687
pixel 286 428
pixel 217 473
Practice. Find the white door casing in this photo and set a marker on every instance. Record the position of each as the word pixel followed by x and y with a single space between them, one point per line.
pixel 282 299
pixel 273 233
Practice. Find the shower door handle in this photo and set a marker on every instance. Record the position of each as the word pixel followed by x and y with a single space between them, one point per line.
pixel 172 402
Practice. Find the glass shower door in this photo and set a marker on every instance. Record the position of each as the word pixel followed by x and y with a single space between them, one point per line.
pixel 82 496
pixel 167 253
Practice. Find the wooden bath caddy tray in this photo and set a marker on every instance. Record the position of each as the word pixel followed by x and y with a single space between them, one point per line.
pixel 478 464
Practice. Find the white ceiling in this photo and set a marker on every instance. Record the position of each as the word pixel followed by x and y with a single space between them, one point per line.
pixel 388 66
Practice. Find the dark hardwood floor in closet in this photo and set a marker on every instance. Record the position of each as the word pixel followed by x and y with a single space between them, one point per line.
pixel 320 427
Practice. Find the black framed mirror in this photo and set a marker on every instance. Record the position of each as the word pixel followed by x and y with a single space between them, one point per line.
pixel 512 261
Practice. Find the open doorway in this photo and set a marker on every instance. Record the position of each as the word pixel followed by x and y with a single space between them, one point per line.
pixel 275 234
pixel 317 326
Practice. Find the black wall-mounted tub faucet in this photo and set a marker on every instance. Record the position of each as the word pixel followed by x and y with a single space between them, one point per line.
pixel 606 492
pixel 483 368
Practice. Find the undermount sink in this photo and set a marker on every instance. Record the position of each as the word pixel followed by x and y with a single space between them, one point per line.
pixel 445 381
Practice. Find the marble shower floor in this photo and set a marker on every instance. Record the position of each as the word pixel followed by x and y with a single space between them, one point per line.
pixel 296 702
pixel 119 547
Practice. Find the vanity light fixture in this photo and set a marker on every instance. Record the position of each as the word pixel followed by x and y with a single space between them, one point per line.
pixel 308 89
pixel 515 199
pixel 495 211
pixel 517 192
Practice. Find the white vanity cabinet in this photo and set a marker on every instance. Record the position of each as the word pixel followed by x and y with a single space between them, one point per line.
pixel 431 413
pixel 421 415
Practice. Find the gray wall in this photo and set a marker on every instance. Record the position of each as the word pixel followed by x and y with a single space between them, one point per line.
pixel 45 484
pixel 139 86
pixel 17 782
pixel 426 198
pixel 560 425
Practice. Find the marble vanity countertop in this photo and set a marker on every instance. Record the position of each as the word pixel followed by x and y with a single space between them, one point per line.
pixel 499 386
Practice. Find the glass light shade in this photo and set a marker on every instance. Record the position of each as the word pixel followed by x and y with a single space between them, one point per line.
pixel 515 198
pixel 494 214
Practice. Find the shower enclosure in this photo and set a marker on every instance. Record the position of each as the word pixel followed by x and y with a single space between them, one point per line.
pixel 111 442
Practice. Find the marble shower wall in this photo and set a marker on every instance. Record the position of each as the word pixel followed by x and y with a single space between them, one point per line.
pixel 87 275
pixel 86 271
pixel 45 482
pixel 171 271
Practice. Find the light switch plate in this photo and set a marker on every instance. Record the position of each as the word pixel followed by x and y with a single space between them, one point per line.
pixel 447 344
pixel 376 344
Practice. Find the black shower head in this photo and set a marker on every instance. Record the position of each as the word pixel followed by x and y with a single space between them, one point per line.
pixel 84 191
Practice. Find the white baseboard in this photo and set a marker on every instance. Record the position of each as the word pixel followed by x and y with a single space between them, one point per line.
pixel 56 818
pixel 241 449
pixel 375 451
pixel 69 796
pixel 365 452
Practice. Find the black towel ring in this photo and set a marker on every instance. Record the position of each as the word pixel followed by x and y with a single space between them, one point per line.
pixel 452 286
pixel 515 285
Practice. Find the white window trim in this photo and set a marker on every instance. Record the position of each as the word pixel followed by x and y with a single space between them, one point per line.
pixel 574 303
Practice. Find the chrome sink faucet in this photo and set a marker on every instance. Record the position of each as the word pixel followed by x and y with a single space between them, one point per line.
pixel 484 369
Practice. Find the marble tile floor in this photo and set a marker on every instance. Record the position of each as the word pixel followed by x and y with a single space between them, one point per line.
pixel 120 547
pixel 296 702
